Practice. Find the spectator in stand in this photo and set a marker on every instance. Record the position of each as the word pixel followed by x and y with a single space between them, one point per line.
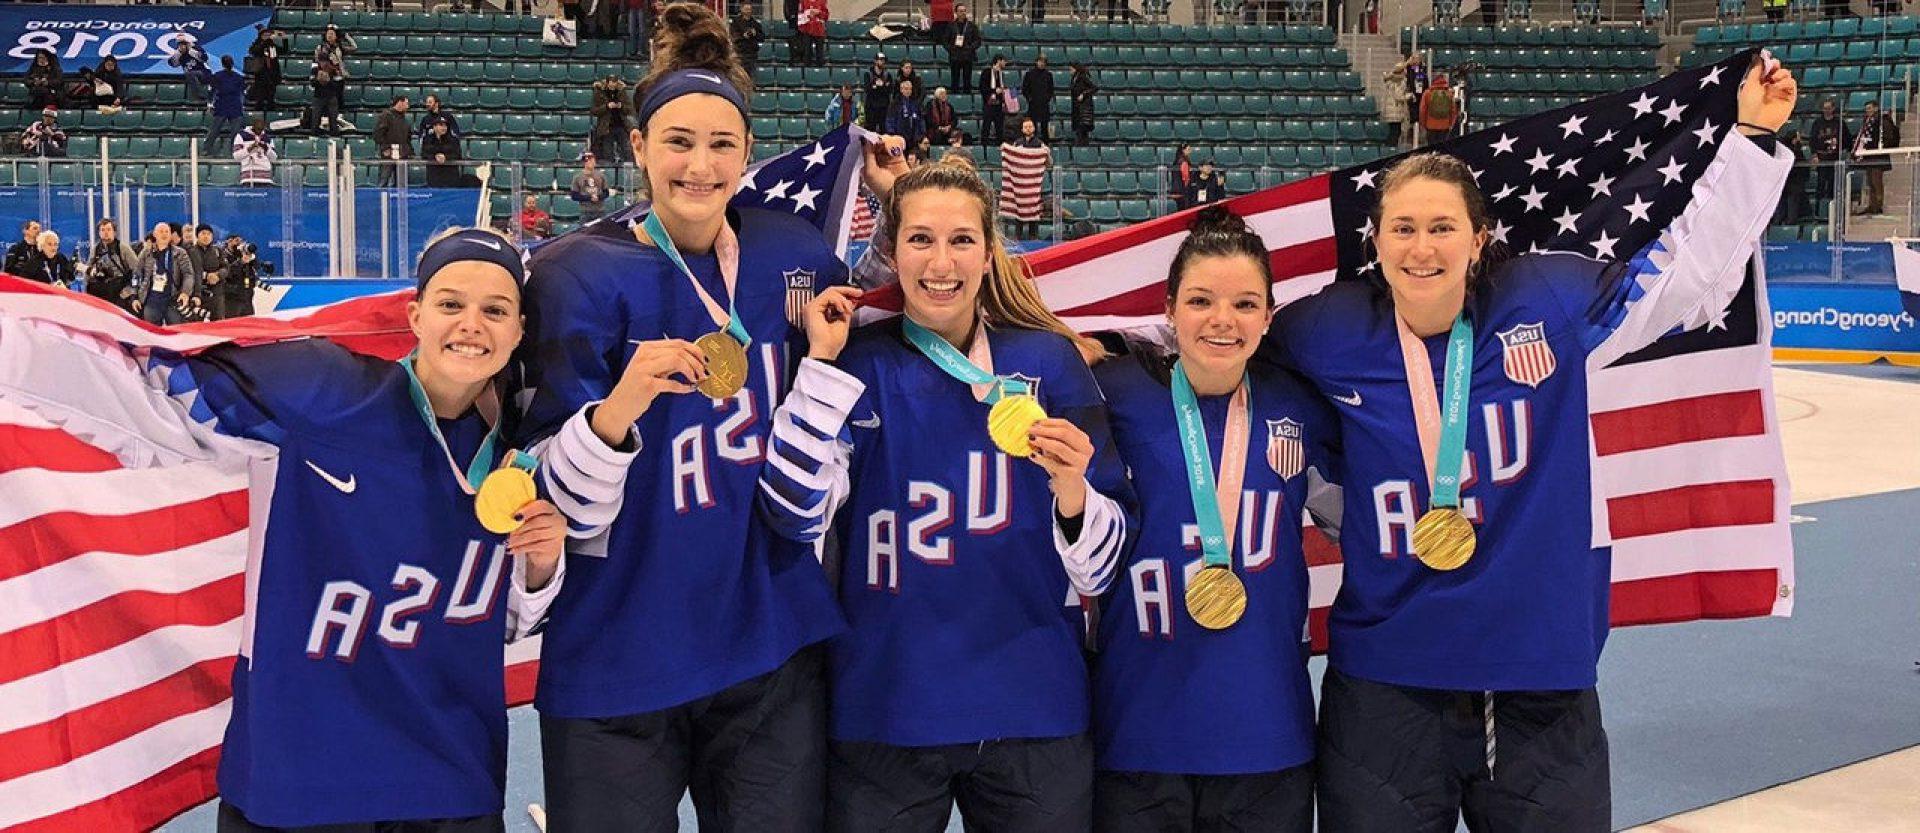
pixel 747 35
pixel 1036 87
pixel 253 149
pixel 1208 186
pixel 1180 177
pixel 610 122
pixel 229 106
pixel 115 82
pixel 46 264
pixel 192 61
pixel 813 33
pixel 589 189
pixel 44 80
pixel 534 223
pixel 436 115
pixel 907 73
pixel 943 124
pixel 45 138
pixel 1036 11
pixel 1438 110
pixel 1793 201
pixel 110 272
pixel 962 45
pixel 993 101
pixel 904 118
pixel 1021 199
pixel 1877 130
pixel 843 109
pixel 1776 10
pixel 393 139
pixel 164 281
pixel 18 253
pixel 1831 137
pixel 335 45
pixel 264 57
pixel 1081 89
pixel 638 17
pixel 210 263
pixel 329 96
pixel 243 276
pixel 441 149
pixel 877 88
pixel 89 91
pixel 1412 75
pixel 940 20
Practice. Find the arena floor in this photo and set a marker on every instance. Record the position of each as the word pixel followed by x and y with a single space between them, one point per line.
pixel 1802 725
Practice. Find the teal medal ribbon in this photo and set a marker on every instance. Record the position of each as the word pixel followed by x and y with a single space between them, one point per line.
pixel 949 359
pixel 483 459
pixel 1216 548
pixel 658 233
pixel 1453 415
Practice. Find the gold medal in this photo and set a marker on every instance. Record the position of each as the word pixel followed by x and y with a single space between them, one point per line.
pixel 505 492
pixel 1216 598
pixel 726 365
pixel 1010 420
pixel 1443 538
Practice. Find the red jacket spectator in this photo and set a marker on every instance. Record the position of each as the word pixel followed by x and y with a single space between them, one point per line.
pixel 813 18
pixel 940 12
pixel 534 223
pixel 1438 108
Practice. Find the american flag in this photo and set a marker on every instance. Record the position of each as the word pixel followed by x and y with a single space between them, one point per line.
pixel 1022 170
pixel 119 588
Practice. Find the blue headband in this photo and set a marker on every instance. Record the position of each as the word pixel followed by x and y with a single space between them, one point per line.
pixel 469 244
pixel 687 82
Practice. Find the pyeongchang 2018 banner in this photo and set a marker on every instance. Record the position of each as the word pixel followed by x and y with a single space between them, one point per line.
pixel 141 37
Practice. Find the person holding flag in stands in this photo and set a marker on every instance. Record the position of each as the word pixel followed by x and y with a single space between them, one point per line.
pixel 1464 642
pixel 680 653
pixel 390 522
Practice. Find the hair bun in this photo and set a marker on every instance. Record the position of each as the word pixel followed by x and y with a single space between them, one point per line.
pixel 691 36
pixel 1217 219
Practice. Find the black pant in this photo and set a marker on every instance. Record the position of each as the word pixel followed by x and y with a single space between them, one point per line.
pixel 873 114
pixel 993 121
pixel 1006 786
pixel 232 821
pixel 1042 116
pixel 960 75
pixel 1414 760
pixel 1823 179
pixel 753 756
pixel 1158 802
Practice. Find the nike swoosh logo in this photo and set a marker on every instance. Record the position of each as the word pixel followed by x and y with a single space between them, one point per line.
pixel 346 486
pixel 1353 400
pixel 491 244
pixel 870 422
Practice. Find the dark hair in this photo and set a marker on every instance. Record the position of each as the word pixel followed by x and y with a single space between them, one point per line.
pixel 107 221
pixel 204 227
pixel 28 224
pixel 226 62
pixel 691 36
pixel 1452 171
pixel 399 98
pixel 1218 232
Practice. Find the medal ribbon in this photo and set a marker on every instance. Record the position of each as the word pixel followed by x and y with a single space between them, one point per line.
pixel 489 405
pixel 1443 431
pixel 1211 498
pixel 726 249
pixel 975 369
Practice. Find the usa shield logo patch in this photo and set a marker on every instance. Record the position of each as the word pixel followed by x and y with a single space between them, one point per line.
pixel 1285 455
pixel 1526 355
pixel 800 293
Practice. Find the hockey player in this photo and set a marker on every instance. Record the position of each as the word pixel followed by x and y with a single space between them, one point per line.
pixel 1465 638
pixel 369 687
pixel 1203 715
pixel 961 677
pixel 678 655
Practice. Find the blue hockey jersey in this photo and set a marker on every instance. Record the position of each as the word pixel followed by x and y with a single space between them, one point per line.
pixel 1529 611
pixel 687 592
pixel 369 685
pixel 1169 695
pixel 965 625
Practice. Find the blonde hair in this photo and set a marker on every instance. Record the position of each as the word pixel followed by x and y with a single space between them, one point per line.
pixel 1007 294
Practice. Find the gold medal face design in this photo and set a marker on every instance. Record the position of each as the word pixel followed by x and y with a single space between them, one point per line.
pixel 1443 539
pixel 726 365
pixel 502 494
pixel 1215 598
pixel 1010 420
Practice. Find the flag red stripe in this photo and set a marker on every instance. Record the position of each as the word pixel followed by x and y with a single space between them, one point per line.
pixel 1712 417
pixel 521 679
pixel 29 447
pixel 143 806
pixel 87 730
pixel 1311 257
pixel 1317 629
pixel 1733 503
pixel 44 645
pixel 1726 594
pixel 1066 255
pixel 1320 549
pixel 56 536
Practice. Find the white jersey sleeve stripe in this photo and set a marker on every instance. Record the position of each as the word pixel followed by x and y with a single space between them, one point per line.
pixel 807 466
pixel 585 478
pixel 1090 560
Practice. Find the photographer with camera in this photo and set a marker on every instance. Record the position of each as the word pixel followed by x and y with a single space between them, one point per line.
pixel 110 272
pixel 246 272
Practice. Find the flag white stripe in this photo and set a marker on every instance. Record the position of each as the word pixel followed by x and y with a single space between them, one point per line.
pixel 1687 464
pixel 1754 547
pixel 1323 583
pixel 32 493
pixel 69 312
pixel 143 660
pixel 1679 377
pixel 1119 272
pixel 67 586
pixel 525 650
pixel 111 769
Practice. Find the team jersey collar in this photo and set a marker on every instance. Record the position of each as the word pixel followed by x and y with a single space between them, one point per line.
pixel 489 405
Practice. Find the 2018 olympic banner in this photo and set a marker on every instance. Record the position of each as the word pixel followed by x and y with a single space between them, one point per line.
pixel 141 37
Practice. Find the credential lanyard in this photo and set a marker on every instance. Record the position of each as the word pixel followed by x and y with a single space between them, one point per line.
pixel 1442 427
pixel 726 249
pixel 975 370
pixel 1216 506
pixel 489 405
